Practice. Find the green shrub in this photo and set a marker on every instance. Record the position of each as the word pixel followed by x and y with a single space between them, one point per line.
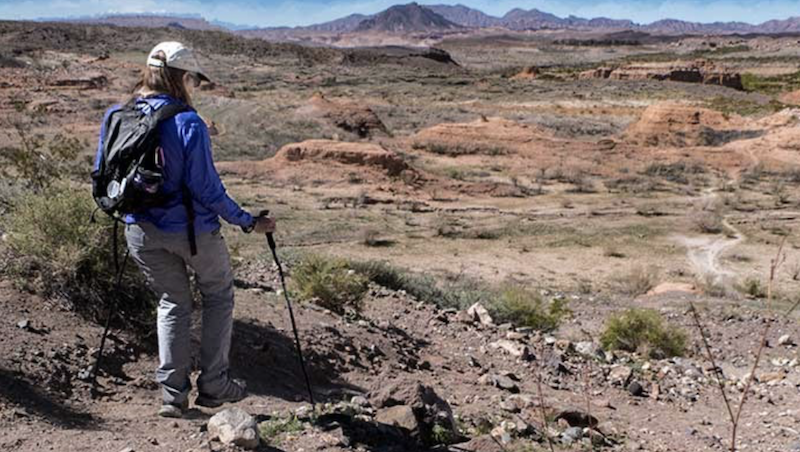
pixel 453 292
pixel 57 252
pixel 272 429
pixel 522 307
pixel 330 283
pixel 643 330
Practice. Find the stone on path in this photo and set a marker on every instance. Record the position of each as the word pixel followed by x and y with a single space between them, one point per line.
pixel 234 426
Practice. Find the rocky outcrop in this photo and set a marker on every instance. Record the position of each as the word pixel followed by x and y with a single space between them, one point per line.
pixel 361 154
pixel 349 116
pixel 700 71
pixel 678 124
pixel 84 82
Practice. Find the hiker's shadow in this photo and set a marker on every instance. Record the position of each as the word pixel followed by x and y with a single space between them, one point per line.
pixel 267 359
pixel 17 390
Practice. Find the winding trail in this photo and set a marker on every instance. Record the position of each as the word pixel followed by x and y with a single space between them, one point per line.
pixel 704 252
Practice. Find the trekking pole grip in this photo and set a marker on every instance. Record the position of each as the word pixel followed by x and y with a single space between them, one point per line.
pixel 270 238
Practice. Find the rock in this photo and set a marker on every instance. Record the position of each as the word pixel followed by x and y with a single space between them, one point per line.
pixel 785 340
pixel 399 416
pixel 359 401
pixel 620 375
pixel 501 435
pixel 512 348
pixel 576 418
pixel 304 411
pixel 128 449
pixel 635 389
pixel 234 426
pixel 479 314
pixel 590 349
pixel 484 443
pixel 428 408
pixel 506 383
pixel 571 435
pixel 769 377
pixel 474 362
pixel 24 324
pixel 511 407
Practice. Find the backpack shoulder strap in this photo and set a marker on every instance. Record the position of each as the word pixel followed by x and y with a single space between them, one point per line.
pixel 168 111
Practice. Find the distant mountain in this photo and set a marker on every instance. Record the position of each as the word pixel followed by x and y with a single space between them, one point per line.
pixel 231 26
pixel 413 18
pixel 147 20
pixel 790 25
pixel 410 18
pixel 520 19
pixel 465 16
pixel 343 25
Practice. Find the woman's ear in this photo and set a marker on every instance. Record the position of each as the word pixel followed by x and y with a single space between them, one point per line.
pixel 190 79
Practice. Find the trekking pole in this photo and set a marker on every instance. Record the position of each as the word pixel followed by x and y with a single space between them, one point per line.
pixel 272 247
pixel 120 271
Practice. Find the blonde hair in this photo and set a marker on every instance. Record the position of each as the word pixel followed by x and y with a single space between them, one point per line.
pixel 163 80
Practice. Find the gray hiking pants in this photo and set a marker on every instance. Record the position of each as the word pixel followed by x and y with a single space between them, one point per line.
pixel 163 257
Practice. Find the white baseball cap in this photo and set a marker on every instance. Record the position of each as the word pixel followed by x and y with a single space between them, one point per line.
pixel 178 56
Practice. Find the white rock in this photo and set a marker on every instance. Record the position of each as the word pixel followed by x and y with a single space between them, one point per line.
pixel 234 426
pixel 785 340
pixel 480 314
pixel 512 348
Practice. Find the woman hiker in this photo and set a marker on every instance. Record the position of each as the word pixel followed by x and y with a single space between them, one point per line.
pixel 157 239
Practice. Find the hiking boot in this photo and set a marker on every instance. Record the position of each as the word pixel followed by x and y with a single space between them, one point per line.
pixel 171 410
pixel 235 390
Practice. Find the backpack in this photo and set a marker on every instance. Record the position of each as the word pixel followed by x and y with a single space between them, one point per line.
pixel 130 171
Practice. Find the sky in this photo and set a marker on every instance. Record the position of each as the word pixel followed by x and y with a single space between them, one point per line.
pixel 304 12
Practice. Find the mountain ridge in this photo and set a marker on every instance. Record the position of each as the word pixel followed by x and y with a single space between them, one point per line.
pixel 415 18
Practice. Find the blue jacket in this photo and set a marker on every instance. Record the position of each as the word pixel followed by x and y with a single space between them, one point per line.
pixel 187 160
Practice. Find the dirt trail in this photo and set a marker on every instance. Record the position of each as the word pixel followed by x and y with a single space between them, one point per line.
pixel 704 252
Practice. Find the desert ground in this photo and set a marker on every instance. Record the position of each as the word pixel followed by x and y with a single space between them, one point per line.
pixel 496 161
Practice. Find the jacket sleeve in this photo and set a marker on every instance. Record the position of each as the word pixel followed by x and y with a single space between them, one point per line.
pixel 204 183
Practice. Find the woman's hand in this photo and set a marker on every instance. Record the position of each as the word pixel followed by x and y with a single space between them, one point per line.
pixel 264 225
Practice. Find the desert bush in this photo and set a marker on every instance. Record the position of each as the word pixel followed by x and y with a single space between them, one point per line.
pixel 39 161
pixel 707 222
pixel 794 271
pixel 581 182
pixel 522 307
pixel 57 252
pixel 330 283
pixel 752 287
pixel 678 172
pixel 711 286
pixel 613 250
pixel 458 149
pixel 372 238
pixel 643 330
pixel 638 281
pixel 454 291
